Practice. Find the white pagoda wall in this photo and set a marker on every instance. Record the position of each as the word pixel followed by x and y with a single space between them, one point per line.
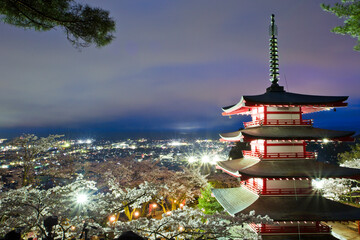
pixel 288 183
pixel 285 149
pixel 275 113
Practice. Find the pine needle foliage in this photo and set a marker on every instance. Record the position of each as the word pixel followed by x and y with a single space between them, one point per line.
pixel 82 24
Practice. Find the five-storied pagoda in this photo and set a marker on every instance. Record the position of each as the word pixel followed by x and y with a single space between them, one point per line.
pixel 277 172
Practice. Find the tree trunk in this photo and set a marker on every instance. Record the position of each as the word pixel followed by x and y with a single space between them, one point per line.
pixel 25 176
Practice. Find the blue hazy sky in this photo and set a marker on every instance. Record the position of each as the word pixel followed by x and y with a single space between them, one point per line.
pixel 172 66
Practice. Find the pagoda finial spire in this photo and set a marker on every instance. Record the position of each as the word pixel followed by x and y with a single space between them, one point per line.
pixel 274 58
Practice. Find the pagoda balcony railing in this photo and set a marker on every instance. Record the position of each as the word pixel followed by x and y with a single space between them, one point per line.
pixel 286 191
pixel 319 228
pixel 254 189
pixel 279 191
pixel 307 122
pixel 285 155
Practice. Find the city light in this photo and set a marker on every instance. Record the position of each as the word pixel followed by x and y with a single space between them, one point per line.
pixel 66 145
pixel 86 141
pixel 175 143
pixel 325 140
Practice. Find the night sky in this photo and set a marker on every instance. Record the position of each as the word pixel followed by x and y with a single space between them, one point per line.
pixel 172 66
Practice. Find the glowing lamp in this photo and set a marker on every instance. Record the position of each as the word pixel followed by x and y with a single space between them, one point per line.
pixel 205 159
pixel 317 184
pixel 191 159
pixel 112 218
pixel 81 198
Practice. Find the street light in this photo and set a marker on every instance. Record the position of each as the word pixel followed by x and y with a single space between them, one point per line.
pixel 215 159
pixel 112 218
pixel 318 184
pixel 205 159
pixel 191 159
pixel 81 198
pixel 154 206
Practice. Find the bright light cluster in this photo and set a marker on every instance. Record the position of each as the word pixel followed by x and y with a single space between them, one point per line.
pixel 177 143
pixel 86 141
pixel 204 159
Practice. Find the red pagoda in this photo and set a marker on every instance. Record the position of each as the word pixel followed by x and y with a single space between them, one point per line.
pixel 276 174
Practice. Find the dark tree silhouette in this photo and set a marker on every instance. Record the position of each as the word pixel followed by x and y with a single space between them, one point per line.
pixel 349 10
pixel 82 24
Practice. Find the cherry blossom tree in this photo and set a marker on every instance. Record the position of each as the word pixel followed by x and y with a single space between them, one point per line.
pixel 181 186
pixel 342 189
pixel 29 150
pixel 190 223
pixel 78 206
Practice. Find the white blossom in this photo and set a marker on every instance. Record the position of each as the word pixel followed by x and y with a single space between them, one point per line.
pixel 192 223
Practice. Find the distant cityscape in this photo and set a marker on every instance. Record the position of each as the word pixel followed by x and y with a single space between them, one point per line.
pixel 170 153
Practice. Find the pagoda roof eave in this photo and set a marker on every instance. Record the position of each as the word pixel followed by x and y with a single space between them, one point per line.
pixel 284 98
pixel 233 169
pixel 287 133
pixel 300 168
pixel 234 200
pixel 231 137
pixel 302 208
pixel 236 108
pixel 284 208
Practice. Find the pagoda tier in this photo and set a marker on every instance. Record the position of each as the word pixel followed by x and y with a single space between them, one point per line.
pixel 286 133
pixel 303 208
pixel 285 208
pixel 299 168
pixel 308 103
